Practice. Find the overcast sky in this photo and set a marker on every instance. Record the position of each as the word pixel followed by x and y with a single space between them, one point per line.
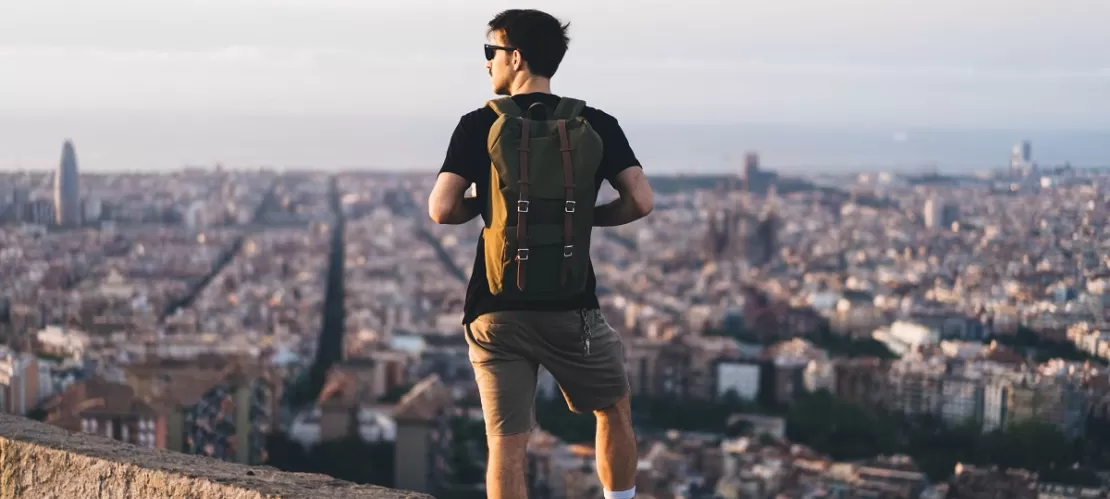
pixel 948 63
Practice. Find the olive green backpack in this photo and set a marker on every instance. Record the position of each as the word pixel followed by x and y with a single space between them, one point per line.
pixel 542 195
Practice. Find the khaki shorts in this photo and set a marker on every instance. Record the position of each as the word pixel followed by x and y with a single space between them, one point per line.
pixel 579 348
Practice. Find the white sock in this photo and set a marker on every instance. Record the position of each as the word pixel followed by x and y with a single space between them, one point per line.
pixel 621 494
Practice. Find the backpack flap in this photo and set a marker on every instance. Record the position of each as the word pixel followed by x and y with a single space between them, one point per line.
pixel 548 257
pixel 505 106
pixel 569 108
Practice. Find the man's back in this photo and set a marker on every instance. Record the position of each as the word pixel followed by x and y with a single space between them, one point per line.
pixel 468 157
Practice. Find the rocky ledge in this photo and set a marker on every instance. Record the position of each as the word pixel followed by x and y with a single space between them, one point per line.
pixel 44 462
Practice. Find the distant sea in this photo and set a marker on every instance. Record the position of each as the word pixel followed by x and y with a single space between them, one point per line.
pixel 147 142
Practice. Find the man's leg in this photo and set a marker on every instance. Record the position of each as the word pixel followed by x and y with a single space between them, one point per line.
pixel 505 477
pixel 507 386
pixel 586 357
pixel 616 448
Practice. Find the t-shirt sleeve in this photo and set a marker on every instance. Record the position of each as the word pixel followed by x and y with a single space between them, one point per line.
pixel 465 153
pixel 617 154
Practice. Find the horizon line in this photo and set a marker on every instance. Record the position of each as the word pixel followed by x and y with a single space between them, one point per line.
pixel 446 118
pixel 794 171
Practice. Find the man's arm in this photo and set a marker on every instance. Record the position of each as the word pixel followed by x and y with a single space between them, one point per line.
pixel 635 202
pixel 446 204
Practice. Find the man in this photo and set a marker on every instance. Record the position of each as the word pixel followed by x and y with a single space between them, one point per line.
pixel 511 332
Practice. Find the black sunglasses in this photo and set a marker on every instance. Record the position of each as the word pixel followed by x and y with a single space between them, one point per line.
pixel 491 50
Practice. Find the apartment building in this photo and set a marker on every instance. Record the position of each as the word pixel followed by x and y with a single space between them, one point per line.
pixel 24 381
pixel 422 460
pixel 914 386
pixel 1052 401
pixel 100 407
pixel 962 398
pixel 220 407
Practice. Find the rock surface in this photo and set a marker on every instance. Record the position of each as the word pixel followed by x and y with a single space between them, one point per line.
pixel 40 461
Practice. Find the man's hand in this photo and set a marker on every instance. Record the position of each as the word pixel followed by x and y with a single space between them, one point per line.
pixel 446 204
pixel 635 202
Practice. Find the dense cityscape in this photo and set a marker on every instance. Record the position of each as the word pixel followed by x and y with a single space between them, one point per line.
pixel 865 335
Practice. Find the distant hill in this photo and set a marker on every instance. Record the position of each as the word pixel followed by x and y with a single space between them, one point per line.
pixel 670 184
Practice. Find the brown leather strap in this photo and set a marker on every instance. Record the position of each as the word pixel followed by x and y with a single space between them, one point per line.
pixel 569 203
pixel 522 204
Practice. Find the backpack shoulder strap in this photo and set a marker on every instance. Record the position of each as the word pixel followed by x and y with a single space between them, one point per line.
pixel 505 105
pixel 569 108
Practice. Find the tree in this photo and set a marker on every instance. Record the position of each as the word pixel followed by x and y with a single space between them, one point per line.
pixel 394 394
pixel 352 458
pixel 846 431
pixel 469 451
pixel 37 414
pixel 1028 343
pixel 1035 445
pixel 842 346
pixel 841 429
pixel 553 416
pixel 356 460
pixel 286 454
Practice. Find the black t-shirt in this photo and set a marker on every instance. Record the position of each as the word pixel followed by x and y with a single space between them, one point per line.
pixel 468 157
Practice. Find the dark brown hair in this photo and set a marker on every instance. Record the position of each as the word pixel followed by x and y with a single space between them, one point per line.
pixel 541 38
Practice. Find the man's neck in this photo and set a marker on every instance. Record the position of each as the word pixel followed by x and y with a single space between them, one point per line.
pixel 533 85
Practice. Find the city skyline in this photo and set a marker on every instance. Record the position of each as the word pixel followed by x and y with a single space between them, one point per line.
pixel 341 144
pixel 974 304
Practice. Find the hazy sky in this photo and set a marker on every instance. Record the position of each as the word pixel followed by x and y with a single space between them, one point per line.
pixel 1011 64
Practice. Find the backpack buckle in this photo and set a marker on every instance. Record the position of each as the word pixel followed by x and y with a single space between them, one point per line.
pixel 569 207
pixel 568 251
pixel 522 254
pixel 522 206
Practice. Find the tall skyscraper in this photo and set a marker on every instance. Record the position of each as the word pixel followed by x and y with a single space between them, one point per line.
pixel 933 213
pixel 1022 155
pixel 763 244
pixel 67 189
pixel 751 170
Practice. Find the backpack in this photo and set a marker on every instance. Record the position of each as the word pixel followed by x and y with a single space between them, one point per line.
pixel 541 202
